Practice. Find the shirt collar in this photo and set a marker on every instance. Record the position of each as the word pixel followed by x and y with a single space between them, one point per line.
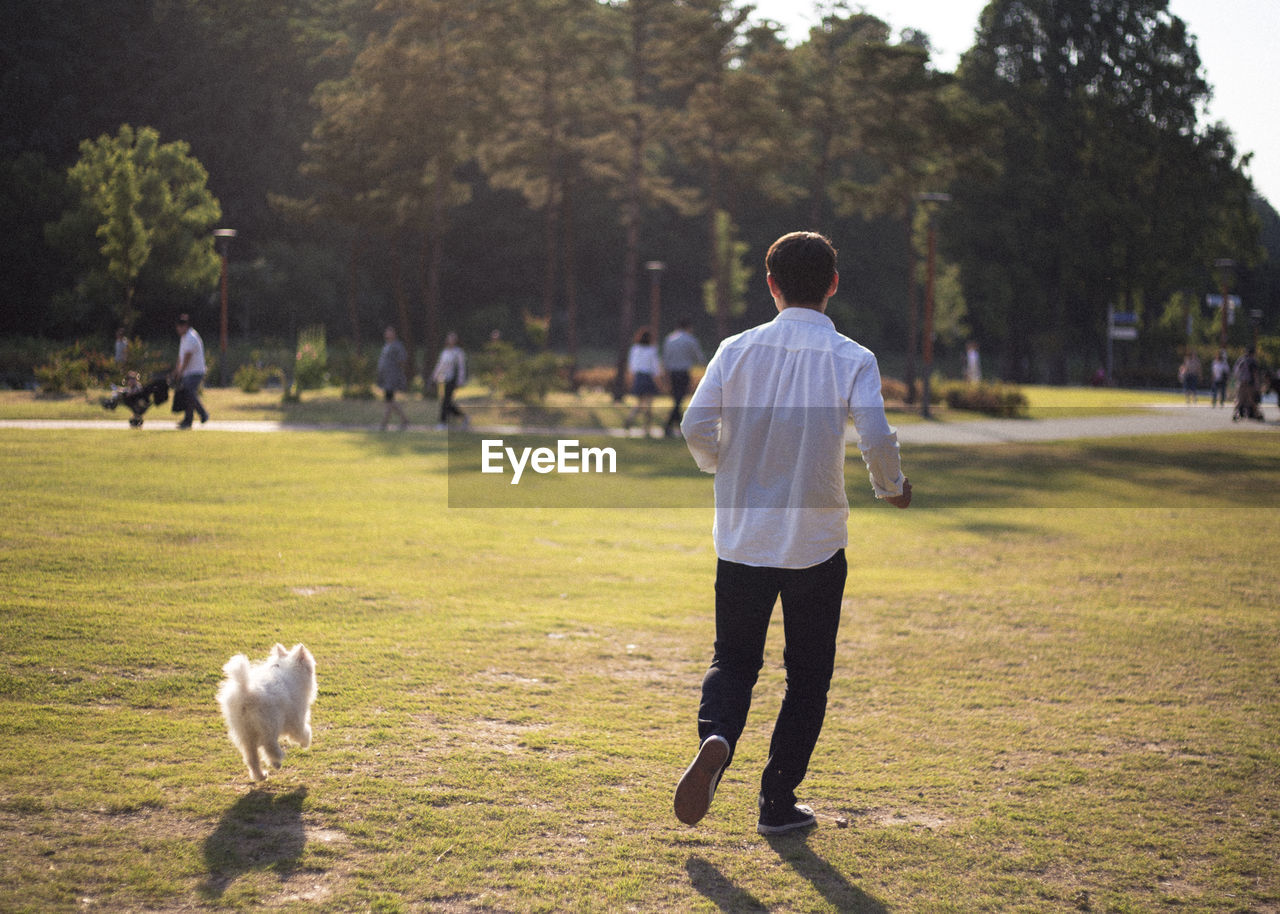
pixel 807 315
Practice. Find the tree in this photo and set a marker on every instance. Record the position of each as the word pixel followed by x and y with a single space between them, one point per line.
pixel 723 121
pixel 1107 195
pixel 395 134
pixel 917 132
pixel 724 293
pixel 631 151
pixel 141 219
pixel 540 143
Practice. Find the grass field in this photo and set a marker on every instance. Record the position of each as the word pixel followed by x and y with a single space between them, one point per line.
pixel 1037 707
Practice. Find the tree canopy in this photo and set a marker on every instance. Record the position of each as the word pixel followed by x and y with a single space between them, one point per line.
pixel 513 164
pixel 140 220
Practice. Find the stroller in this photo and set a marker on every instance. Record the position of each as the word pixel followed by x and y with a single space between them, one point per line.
pixel 137 396
pixel 1248 390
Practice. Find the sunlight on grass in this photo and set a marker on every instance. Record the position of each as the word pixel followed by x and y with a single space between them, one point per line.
pixel 1056 687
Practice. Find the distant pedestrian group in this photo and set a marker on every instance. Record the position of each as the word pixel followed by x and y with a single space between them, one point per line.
pixel 647 367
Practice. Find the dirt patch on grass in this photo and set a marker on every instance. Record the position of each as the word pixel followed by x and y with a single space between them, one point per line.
pixel 909 818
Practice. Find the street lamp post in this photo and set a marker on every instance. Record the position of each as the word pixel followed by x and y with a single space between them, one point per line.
pixel 223 241
pixel 927 336
pixel 655 268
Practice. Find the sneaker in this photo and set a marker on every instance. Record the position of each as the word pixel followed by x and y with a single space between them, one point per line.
pixel 698 785
pixel 184 425
pixel 778 819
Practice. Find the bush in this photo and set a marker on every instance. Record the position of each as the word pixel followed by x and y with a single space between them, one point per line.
pixel 595 377
pixel 991 399
pixel 312 359
pixel 145 360
pixel 519 376
pixel 75 368
pixel 353 371
pixel 62 374
pixel 253 377
pixel 893 390
pixel 19 358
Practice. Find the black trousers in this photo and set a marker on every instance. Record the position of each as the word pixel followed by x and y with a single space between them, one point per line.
pixel 447 406
pixel 679 381
pixel 745 596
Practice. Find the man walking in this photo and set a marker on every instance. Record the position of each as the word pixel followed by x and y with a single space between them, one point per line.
pixel 189 371
pixel 451 371
pixel 768 419
pixel 680 352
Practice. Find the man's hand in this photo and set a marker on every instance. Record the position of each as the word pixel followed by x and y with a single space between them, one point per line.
pixel 903 500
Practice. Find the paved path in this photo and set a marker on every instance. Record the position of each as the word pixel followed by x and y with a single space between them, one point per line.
pixel 1156 420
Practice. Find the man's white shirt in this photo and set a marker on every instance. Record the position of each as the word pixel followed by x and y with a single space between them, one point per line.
pixel 769 419
pixel 190 342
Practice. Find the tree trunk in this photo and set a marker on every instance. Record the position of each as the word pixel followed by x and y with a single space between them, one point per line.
pixel 353 291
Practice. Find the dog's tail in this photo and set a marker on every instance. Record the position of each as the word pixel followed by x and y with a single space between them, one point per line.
pixel 237 670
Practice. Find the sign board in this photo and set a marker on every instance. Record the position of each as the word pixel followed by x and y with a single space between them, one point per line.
pixel 1124 333
pixel 1215 301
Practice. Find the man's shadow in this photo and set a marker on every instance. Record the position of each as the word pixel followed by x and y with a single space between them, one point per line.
pixel 839 892
pixel 262 831
pixel 717 888
pixel 833 885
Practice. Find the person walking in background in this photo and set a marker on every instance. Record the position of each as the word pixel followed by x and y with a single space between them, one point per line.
pixel 680 352
pixel 643 370
pixel 768 419
pixel 188 373
pixel 121 352
pixel 1189 375
pixel 1220 371
pixel 392 377
pixel 972 363
pixel 1248 386
pixel 451 371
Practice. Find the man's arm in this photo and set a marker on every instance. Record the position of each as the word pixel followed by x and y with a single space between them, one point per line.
pixel 701 423
pixel 877 440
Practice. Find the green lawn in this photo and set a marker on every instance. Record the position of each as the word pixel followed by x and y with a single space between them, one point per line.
pixel 1058 686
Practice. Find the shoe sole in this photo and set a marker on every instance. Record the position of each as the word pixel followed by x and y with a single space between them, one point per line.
pixel 762 829
pixel 698 785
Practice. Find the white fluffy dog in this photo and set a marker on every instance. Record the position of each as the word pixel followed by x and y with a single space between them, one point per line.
pixel 265 701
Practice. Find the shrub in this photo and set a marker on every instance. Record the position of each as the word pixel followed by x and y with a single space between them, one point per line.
pixel 991 399
pixel 893 390
pixel 312 359
pixel 353 371
pixel 19 357
pixel 74 368
pixel 519 376
pixel 595 377
pixel 253 377
pixel 146 360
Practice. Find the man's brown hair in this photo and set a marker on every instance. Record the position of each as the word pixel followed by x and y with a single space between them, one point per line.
pixel 803 264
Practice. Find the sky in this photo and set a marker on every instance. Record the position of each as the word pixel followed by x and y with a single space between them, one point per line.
pixel 1237 40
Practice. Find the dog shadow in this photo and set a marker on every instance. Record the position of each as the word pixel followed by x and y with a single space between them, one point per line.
pixel 833 885
pixel 262 831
